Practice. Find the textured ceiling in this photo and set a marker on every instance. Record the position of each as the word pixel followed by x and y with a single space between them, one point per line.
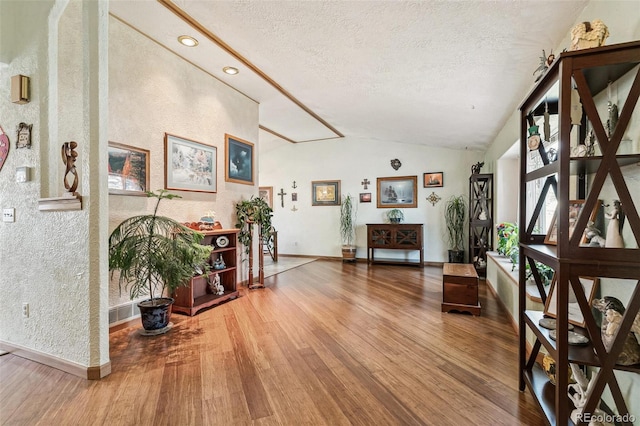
pixel 439 73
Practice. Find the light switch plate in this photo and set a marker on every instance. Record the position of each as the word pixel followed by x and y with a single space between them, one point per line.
pixel 22 174
pixel 9 215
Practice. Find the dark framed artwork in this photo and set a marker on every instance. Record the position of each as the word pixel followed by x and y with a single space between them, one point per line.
pixel 433 180
pixel 239 160
pixel 189 165
pixel 325 193
pixel 128 170
pixel 266 193
pixel 397 192
pixel 365 197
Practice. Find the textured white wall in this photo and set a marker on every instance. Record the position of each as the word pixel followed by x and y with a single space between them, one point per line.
pixel 313 230
pixel 153 91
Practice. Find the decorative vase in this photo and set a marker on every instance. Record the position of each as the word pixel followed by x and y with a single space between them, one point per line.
pixel 155 314
pixel 348 253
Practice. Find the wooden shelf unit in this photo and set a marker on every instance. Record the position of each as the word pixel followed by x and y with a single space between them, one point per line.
pixel 394 236
pixel 197 295
pixel 480 220
pixel 590 70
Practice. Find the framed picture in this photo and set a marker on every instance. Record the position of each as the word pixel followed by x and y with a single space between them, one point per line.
pixel 294 196
pixel 365 197
pixel 401 191
pixel 266 193
pixel 575 208
pixel 325 193
pixel 433 180
pixel 239 160
pixel 128 170
pixel 189 165
pixel 589 285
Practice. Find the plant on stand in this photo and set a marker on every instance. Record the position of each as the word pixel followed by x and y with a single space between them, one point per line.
pixel 254 211
pixel 347 228
pixel 395 216
pixel 155 254
pixel 455 213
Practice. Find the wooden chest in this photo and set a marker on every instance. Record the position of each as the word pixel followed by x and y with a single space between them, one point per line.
pixel 460 288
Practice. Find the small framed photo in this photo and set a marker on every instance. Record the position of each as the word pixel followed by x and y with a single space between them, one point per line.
pixel 325 193
pixel 575 208
pixel 189 165
pixel 239 160
pixel 128 170
pixel 589 285
pixel 266 193
pixel 294 196
pixel 397 192
pixel 433 180
pixel 365 197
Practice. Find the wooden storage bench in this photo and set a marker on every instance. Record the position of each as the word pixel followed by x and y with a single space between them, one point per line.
pixel 460 288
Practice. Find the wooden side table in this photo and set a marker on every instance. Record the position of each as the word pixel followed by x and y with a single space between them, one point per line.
pixel 460 288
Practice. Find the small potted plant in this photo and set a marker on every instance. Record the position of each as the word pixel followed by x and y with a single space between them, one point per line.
pixel 455 211
pixel 395 216
pixel 347 228
pixel 155 255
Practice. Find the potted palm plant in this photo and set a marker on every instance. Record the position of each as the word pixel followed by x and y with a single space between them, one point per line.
pixel 155 255
pixel 347 228
pixel 454 215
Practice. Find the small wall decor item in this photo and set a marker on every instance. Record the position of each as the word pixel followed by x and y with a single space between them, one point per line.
pixel 266 193
pixel 589 285
pixel 294 196
pixel 365 197
pixel 22 174
pixel 189 165
pixel 4 147
pixel 24 135
pixel 475 169
pixel 401 191
pixel 128 170
pixel 294 186
pixel 69 156
pixel 19 89
pixel 395 163
pixel 588 34
pixel 239 160
pixel 433 198
pixel 281 194
pixel 325 193
pixel 365 183
pixel 433 180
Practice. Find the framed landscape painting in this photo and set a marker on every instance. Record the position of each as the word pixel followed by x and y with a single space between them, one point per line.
pixel 128 170
pixel 239 160
pixel 325 193
pixel 397 192
pixel 189 165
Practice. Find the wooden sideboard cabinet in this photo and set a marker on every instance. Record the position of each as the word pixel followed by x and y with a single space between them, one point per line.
pixel 198 295
pixel 394 236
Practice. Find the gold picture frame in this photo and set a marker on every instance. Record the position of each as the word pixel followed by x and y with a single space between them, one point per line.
pixel 397 192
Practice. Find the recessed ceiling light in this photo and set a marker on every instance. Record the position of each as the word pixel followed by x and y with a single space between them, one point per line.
pixel 188 41
pixel 230 70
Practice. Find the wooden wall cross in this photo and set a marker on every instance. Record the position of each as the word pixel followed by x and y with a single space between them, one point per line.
pixel 365 182
pixel 282 194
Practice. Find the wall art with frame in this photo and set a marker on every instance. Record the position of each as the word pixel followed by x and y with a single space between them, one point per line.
pixel 589 285
pixel 575 208
pixel 325 193
pixel 128 170
pixel 365 197
pixel 189 165
pixel 397 192
pixel 239 160
pixel 433 180
pixel 266 193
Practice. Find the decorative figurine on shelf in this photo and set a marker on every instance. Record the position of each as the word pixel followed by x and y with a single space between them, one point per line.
pixel 552 155
pixel 614 229
pixel 578 395
pixel 475 169
pixel 214 285
pixel 69 156
pixel 593 235
pixel 533 141
pixel 219 263
pixel 588 34
pixel 545 63
pixel 612 310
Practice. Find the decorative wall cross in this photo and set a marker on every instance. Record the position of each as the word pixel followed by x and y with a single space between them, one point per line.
pixel 282 194
pixel 433 198
pixel 365 182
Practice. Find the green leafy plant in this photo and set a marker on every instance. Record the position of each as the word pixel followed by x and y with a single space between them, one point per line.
pixel 155 253
pixel 395 216
pixel 252 211
pixel 455 213
pixel 509 246
pixel 347 220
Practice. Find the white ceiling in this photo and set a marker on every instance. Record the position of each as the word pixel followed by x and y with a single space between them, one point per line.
pixel 437 73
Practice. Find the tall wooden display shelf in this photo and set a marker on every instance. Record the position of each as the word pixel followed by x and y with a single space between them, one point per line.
pixel 480 220
pixel 198 294
pixel 594 177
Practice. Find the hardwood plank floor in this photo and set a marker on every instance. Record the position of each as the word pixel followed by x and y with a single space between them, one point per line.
pixel 326 343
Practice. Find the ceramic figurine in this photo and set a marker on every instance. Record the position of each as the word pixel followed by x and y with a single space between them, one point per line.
pixel 219 263
pixel 614 229
pixel 612 311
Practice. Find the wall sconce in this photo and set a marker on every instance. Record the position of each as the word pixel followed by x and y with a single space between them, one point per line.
pixel 19 89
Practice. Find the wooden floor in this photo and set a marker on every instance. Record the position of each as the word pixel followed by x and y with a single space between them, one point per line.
pixel 326 343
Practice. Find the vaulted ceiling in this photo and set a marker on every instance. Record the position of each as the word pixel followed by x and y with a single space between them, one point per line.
pixel 437 73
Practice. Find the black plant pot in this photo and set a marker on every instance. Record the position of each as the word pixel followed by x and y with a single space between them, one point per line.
pixel 155 314
pixel 456 256
pixel 395 220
